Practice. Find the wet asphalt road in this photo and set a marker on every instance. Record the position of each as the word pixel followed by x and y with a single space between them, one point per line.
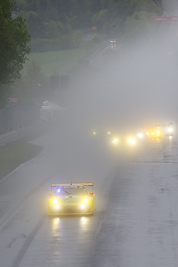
pixel 135 213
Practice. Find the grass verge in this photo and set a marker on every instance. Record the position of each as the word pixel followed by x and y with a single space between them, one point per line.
pixel 14 154
pixel 59 62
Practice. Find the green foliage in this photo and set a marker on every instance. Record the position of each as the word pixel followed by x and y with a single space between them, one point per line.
pixel 35 25
pixel 52 30
pixel 59 25
pixel 138 28
pixel 57 19
pixel 142 5
pixel 58 41
pixel 100 18
pixel 21 4
pixel 127 18
pixel 33 84
pixel 13 46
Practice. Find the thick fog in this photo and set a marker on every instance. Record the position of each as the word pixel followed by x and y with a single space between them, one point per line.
pixel 131 91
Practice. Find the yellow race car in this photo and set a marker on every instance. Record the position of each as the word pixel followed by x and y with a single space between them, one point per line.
pixel 71 199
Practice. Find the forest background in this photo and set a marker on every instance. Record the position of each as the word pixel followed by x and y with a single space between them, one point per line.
pixel 58 25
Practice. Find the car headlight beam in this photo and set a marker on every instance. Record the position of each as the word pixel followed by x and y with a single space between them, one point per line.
pixel 85 200
pixel 82 206
pixel 140 135
pixel 131 141
pixel 115 141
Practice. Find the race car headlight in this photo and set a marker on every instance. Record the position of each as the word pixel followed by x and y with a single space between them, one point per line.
pixel 115 141
pixel 131 141
pixel 140 135
pixel 82 206
pixel 55 201
pixel 85 200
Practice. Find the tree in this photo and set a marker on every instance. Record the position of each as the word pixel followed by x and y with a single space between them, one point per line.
pixel 14 43
pixel 35 25
pixel 139 28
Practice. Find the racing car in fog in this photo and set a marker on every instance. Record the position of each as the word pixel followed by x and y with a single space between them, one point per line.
pixel 168 129
pixel 155 132
pixel 71 199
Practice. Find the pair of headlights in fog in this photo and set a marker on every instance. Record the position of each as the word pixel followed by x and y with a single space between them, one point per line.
pixel 130 140
pixel 83 205
pixel 115 141
pixel 55 201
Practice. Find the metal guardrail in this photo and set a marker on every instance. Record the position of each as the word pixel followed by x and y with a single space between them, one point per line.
pixel 20 133
pixel 18 121
pixel 15 117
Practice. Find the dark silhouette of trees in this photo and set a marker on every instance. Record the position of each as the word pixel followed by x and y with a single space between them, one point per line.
pixel 14 43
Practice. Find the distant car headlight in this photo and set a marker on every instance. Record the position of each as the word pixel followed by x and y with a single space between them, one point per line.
pixel 140 135
pixel 115 141
pixel 55 201
pixel 85 200
pixel 131 141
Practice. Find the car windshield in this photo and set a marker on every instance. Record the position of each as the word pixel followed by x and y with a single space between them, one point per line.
pixel 71 191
